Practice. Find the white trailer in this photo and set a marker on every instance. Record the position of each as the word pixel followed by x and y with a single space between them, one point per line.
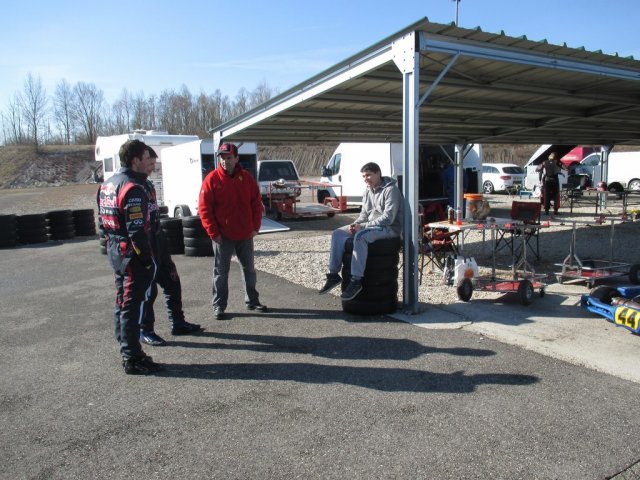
pixel 185 167
pixel 623 170
pixel 107 151
pixel 344 166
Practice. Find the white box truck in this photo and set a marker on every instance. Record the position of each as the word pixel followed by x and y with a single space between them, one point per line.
pixel 623 172
pixel 185 167
pixel 344 166
pixel 107 151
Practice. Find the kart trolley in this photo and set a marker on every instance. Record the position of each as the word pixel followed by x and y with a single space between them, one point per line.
pixel 524 281
pixel 590 271
pixel 285 199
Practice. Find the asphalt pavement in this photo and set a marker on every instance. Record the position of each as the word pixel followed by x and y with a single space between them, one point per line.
pixel 302 391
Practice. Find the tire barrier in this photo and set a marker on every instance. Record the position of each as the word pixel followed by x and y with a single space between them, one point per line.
pixel 8 231
pixel 60 225
pixel 196 241
pixel 84 222
pixel 379 293
pixel 163 211
pixel 32 228
pixel 172 229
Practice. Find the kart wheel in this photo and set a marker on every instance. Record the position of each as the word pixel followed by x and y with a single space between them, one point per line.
pixel 604 293
pixel 525 292
pixel 465 290
pixel 634 274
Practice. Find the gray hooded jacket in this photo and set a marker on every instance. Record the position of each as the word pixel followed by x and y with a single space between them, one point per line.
pixel 382 207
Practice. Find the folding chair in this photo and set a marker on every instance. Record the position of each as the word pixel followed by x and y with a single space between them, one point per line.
pixel 527 213
pixel 435 243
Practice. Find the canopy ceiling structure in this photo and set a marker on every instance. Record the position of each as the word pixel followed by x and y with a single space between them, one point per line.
pixel 442 84
pixel 500 90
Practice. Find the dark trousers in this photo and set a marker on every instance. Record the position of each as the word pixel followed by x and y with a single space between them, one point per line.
pixel 551 192
pixel 169 280
pixel 222 263
pixel 133 290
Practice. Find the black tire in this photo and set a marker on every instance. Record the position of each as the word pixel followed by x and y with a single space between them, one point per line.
pixel 62 234
pixel 358 307
pixel 384 246
pixel 197 242
pixel 191 222
pixel 59 215
pixel 193 232
pixel 163 210
pixel 487 187
pixel 7 243
pixel 374 278
pixel 182 211
pixel 465 290
pixel 198 252
pixel 8 235
pixel 634 274
pixel 171 224
pixel 525 292
pixel 322 195
pixel 604 293
pixel 32 232
pixel 84 214
pixel 377 263
pixel 33 220
pixel 8 222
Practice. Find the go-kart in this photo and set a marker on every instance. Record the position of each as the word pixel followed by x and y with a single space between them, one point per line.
pixel 619 305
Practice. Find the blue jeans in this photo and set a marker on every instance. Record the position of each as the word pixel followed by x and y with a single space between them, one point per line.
pixel 222 254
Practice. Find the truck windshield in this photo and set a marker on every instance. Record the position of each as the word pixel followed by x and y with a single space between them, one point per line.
pixel 270 171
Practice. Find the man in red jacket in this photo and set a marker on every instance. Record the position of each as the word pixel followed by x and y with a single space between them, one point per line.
pixel 230 208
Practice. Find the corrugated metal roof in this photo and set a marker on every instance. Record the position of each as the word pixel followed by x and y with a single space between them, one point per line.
pixel 501 89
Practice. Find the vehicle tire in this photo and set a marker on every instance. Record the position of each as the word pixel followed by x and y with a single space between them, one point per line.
pixel 322 195
pixel 487 187
pixel 163 211
pixel 525 292
pixel 182 211
pixel 604 293
pixel 169 224
pixel 634 274
pixel 465 290
pixel 634 185
pixel 191 221
pixel 198 251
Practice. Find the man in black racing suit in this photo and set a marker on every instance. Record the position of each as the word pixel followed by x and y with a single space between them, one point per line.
pixel 123 203
pixel 167 277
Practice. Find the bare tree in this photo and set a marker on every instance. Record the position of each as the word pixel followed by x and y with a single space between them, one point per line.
pixel 261 94
pixel 33 103
pixel 63 110
pixel 88 109
pixel 12 122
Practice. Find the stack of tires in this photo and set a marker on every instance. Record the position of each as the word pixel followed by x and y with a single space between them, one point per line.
pixel 172 229
pixel 32 228
pixel 8 231
pixel 196 241
pixel 84 222
pixel 60 225
pixel 379 293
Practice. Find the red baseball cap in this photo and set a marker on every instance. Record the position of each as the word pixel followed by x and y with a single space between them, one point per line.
pixel 228 148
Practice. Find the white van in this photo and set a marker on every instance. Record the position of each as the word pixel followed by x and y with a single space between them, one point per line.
pixel 108 148
pixel 344 167
pixel 623 172
pixel 185 167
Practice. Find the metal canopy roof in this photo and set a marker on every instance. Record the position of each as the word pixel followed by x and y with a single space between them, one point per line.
pixel 475 87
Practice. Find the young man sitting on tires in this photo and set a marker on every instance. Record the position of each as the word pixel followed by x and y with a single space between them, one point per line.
pixel 380 217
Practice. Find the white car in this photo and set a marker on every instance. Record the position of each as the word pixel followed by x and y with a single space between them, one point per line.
pixel 500 177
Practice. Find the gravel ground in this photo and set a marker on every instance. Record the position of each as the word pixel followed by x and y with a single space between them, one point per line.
pixel 304 262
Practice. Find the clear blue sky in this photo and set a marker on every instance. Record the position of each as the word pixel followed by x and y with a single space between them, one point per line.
pixel 148 46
